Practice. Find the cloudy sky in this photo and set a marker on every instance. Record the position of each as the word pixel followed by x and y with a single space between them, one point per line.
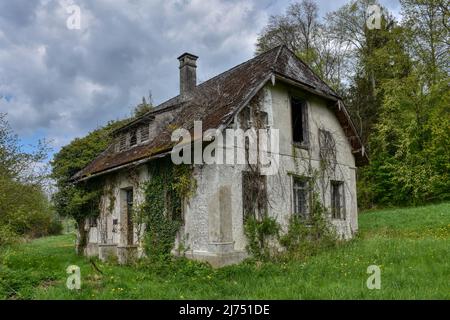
pixel 59 83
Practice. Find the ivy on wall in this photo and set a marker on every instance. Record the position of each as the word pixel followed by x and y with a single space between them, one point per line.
pixel 161 211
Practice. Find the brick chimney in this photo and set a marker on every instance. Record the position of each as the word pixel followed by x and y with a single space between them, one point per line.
pixel 188 73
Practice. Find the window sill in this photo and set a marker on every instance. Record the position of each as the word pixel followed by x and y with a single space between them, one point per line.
pixel 301 145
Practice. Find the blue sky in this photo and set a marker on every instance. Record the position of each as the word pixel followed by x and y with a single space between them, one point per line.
pixel 58 84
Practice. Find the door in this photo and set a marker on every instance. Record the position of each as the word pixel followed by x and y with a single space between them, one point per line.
pixel 130 231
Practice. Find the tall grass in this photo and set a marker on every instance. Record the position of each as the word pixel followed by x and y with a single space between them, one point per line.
pixel 411 246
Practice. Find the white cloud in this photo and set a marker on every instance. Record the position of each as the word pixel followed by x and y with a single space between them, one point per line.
pixel 63 83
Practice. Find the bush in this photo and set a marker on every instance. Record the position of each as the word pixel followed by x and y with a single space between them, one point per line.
pixel 7 235
pixel 259 234
pixel 306 238
pixel 55 227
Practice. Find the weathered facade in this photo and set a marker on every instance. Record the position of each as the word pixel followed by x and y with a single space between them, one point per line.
pixel 317 143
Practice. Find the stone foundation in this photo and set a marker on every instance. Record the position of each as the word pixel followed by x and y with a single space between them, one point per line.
pixel 217 260
pixel 127 254
pixel 106 251
pixel 91 250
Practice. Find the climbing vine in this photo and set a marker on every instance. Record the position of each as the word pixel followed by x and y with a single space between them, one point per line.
pixel 161 211
pixel 303 236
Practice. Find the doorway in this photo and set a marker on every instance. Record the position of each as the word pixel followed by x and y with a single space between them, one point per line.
pixel 129 211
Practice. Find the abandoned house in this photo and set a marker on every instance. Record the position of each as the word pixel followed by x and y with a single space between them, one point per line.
pixel 317 141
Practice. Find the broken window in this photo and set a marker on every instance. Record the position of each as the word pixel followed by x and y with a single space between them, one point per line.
pixel 299 121
pixel 115 224
pixel 337 200
pixel 133 138
pixel 144 133
pixel 122 142
pixel 301 197
pixel 92 222
pixel 254 194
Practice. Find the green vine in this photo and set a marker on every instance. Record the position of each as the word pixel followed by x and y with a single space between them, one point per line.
pixel 161 211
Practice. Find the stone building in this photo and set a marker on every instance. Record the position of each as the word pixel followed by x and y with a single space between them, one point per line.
pixel 274 89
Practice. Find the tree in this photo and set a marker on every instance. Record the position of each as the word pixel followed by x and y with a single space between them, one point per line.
pixel 143 107
pixel 375 54
pixel 300 30
pixel 80 200
pixel 24 206
pixel 427 24
pixel 411 161
pixel 395 83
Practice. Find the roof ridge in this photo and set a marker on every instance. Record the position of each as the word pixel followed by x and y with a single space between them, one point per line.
pixel 160 106
pixel 312 71
pixel 278 53
pixel 239 65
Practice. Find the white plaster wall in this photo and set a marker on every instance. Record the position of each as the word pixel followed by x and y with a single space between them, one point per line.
pixel 203 230
pixel 319 117
pixel 118 182
pixel 211 178
pixel 202 214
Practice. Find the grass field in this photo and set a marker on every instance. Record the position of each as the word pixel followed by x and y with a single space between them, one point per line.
pixel 411 246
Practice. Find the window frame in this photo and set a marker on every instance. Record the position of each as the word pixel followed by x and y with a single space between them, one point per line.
pixel 122 145
pixel 341 215
pixel 304 119
pixel 307 188
pixel 133 135
pixel 144 128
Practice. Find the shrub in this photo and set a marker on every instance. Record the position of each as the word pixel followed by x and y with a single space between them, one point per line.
pixel 306 237
pixel 259 234
pixel 7 235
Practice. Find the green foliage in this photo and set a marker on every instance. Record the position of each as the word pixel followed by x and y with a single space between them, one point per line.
pixel 161 211
pixel 259 233
pixel 410 246
pixel 411 159
pixel 143 107
pixel 305 238
pixel 81 200
pixel 24 207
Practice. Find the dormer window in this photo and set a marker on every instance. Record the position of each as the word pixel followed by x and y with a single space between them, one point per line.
pixel 144 130
pixel 133 138
pixel 122 142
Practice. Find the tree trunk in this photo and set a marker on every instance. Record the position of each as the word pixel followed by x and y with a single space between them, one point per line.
pixel 82 237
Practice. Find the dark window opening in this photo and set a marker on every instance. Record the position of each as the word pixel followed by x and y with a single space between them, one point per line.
pixel 115 224
pixel 130 230
pixel 93 222
pixel 301 197
pixel 299 121
pixel 337 200
pixel 254 194
pixel 133 138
